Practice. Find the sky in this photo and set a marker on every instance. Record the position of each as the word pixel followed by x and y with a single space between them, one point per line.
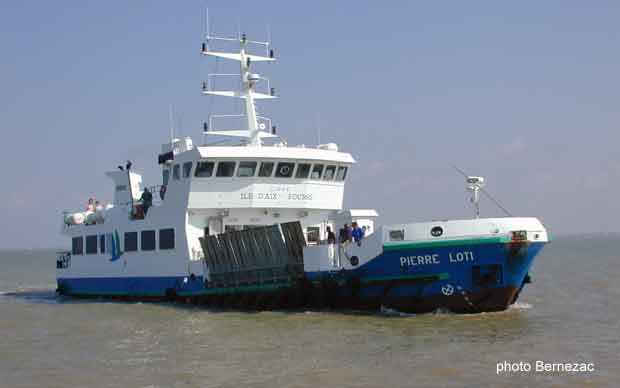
pixel 523 93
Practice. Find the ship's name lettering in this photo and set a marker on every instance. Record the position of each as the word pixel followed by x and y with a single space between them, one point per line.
pixel 276 196
pixel 453 257
pixel 259 196
pixel 300 197
pixel 460 257
pixel 408 261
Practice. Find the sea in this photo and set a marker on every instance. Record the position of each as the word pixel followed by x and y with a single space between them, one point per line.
pixel 569 314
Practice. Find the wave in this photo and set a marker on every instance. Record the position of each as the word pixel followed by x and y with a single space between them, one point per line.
pixel 520 306
pixel 30 294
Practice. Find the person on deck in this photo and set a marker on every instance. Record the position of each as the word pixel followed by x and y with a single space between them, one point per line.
pixel 147 200
pixel 357 233
pixel 331 237
pixel 342 234
pixel 346 234
pixel 91 205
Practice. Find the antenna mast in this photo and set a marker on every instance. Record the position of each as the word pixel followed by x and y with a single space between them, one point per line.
pixel 254 131
pixel 476 184
pixel 171 121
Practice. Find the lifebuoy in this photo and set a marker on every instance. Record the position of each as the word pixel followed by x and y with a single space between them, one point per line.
pixel 162 191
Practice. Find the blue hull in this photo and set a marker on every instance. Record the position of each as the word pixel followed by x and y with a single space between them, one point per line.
pixel 467 277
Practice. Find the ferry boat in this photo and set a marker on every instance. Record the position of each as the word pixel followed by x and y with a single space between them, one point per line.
pixel 248 221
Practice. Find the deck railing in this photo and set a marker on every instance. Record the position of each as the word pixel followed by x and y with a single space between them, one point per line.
pixel 64 260
pixel 131 206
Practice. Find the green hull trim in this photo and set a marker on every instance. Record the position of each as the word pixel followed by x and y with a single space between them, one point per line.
pixel 433 277
pixel 394 246
pixel 384 279
pixel 237 290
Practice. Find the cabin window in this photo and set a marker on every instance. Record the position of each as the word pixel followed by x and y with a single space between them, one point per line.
pixel 330 171
pixel 121 188
pixel 166 238
pixel 303 169
pixel 225 169
pixel 77 246
pixel 147 240
pixel 312 234
pixel 246 169
pixel 397 235
pixel 187 169
pixel 317 170
pixel 266 169
pixel 341 174
pixel 176 172
pixel 131 241
pixel 204 169
pixel 102 244
pixel 91 245
pixel 285 170
pixel 165 176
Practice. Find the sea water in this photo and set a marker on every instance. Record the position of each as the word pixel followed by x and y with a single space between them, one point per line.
pixel 569 314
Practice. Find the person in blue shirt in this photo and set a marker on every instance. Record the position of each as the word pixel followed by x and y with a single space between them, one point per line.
pixel 357 233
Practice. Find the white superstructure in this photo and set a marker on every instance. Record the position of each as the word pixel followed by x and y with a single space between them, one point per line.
pixel 250 178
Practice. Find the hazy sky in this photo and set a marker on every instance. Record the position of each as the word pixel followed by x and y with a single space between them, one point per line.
pixel 524 93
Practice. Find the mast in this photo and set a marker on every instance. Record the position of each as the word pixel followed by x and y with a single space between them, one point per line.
pixel 255 124
pixel 247 81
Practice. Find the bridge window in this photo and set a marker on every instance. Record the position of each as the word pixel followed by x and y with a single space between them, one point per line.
pixel 266 169
pixel 102 243
pixel 329 173
pixel 303 169
pixel 147 240
pixel 165 176
pixel 285 170
pixel 204 169
pixel 341 174
pixel 187 169
pixel 246 169
pixel 225 169
pixel 121 188
pixel 317 170
pixel 77 245
pixel 91 245
pixel 131 241
pixel 166 238
pixel 176 172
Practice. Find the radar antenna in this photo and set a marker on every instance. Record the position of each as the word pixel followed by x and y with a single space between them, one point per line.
pixel 475 184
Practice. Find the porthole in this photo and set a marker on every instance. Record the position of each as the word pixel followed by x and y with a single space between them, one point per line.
pixel 436 231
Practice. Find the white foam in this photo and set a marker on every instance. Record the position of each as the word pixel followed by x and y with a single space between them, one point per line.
pixel 520 306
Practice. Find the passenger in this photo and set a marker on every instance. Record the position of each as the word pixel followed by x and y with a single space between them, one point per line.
pixel 331 237
pixel 349 232
pixel 128 165
pixel 91 205
pixel 343 234
pixel 357 233
pixel 98 213
pixel 147 200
